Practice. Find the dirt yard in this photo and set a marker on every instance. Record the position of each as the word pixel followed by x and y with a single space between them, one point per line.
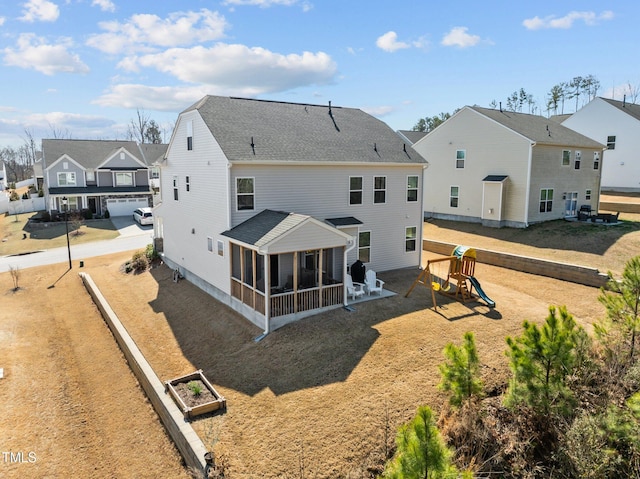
pixel 320 398
pixel 70 405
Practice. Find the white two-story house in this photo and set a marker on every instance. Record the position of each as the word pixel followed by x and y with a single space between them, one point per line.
pixel 616 124
pixel 267 204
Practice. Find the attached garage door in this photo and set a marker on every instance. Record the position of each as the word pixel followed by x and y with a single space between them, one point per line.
pixel 125 206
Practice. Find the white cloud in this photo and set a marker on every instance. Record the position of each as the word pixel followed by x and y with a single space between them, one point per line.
pixel 238 68
pixel 34 52
pixel 169 99
pixel 105 5
pixel 2 20
pixel 589 18
pixel 389 42
pixel 261 3
pixel 458 37
pixel 378 111
pixel 145 32
pixel 40 10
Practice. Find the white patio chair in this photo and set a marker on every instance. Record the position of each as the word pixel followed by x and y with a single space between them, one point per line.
pixel 355 290
pixel 373 284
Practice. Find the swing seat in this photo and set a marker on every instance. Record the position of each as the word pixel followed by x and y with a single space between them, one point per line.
pixel 435 286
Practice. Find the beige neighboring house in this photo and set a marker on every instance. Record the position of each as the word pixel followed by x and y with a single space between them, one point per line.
pixel 502 168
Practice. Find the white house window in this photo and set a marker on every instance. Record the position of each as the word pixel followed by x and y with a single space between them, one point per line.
pixel 190 135
pixel 587 195
pixel 412 189
pixel 596 160
pixel 245 193
pixel 124 179
pixel 175 188
pixel 578 158
pixel 461 155
pixel 220 248
pixel 410 238
pixel 379 189
pixel 454 196
pixel 67 179
pixel 91 176
pixel 611 142
pixel 566 157
pixel 210 244
pixel 187 184
pixel 546 200
pixel 122 157
pixel 155 172
pixel 364 246
pixel 355 190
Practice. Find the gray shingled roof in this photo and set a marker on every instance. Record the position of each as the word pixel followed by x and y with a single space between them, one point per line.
pixel 91 153
pixel 629 108
pixel 264 227
pixel 413 136
pixel 539 129
pixel 285 132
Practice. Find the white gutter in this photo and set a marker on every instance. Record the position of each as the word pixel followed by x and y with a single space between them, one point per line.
pixel 528 190
pixel 344 272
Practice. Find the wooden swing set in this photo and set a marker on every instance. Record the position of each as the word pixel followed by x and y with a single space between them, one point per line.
pixel 451 276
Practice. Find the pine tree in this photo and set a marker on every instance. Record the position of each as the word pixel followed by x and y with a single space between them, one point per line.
pixel 460 373
pixel 541 359
pixel 622 327
pixel 421 452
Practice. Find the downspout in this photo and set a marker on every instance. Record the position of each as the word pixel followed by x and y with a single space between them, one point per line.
pixel 600 178
pixel 344 271
pixel 528 189
pixel 420 250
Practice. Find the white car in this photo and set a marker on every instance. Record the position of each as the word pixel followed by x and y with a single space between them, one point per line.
pixel 143 216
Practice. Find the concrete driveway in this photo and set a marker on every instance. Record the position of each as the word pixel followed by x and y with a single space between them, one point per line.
pixel 126 226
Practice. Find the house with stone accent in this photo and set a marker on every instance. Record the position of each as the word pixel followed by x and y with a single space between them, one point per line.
pixel 267 204
pixel 501 168
pixel 98 175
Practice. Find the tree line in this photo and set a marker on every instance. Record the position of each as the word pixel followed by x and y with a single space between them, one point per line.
pixel 571 94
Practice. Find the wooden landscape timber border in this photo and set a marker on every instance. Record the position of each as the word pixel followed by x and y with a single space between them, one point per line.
pixel 184 437
pixel 620 207
pixel 563 271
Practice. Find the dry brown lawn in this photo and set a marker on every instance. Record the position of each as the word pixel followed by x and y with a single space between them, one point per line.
pixel 320 398
pixel 70 405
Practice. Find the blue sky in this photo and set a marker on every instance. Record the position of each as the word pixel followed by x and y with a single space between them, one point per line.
pixel 81 68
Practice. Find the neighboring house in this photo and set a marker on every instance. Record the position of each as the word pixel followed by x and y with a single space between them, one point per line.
pixel 38 174
pixel 98 175
pixel 265 204
pixel 617 125
pixel 508 169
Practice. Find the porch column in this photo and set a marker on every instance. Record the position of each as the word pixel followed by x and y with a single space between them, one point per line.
pixel 242 273
pixel 253 282
pixel 295 281
pixel 320 278
pixel 267 292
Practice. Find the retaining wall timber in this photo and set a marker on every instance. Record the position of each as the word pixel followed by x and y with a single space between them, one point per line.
pixel 186 440
pixel 563 271
pixel 621 207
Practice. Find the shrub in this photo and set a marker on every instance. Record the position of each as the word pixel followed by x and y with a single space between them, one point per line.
pixel 151 252
pixel 195 387
pixel 86 214
pixel 106 214
pixel 25 195
pixel 139 262
pixel 45 216
pixel 13 196
pixel 40 193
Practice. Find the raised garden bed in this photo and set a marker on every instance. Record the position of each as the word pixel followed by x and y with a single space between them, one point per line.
pixel 194 394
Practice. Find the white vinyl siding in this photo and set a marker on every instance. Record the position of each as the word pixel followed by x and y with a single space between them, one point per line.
pixel 323 192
